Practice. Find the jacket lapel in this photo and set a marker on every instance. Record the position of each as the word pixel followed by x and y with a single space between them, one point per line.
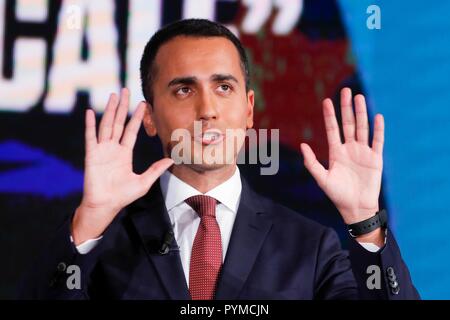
pixel 250 229
pixel 151 220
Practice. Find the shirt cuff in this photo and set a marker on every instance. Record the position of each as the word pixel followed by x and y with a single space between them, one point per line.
pixel 369 246
pixel 87 246
pixel 372 247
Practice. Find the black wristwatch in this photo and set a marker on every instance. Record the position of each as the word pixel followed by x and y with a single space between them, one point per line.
pixel 366 226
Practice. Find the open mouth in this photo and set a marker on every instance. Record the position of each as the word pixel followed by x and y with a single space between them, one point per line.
pixel 211 136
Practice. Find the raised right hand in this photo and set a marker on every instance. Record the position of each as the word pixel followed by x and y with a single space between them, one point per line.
pixel 109 181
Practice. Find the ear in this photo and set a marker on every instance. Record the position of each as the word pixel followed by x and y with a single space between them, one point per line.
pixel 250 105
pixel 149 124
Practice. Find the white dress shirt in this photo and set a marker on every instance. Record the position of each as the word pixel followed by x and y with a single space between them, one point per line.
pixel 185 220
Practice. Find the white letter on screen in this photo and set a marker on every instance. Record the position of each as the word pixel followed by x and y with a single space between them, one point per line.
pixel 99 75
pixel 27 83
pixel 144 20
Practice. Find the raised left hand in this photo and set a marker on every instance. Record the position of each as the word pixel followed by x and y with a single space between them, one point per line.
pixel 353 179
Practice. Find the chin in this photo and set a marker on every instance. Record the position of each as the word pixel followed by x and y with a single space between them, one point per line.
pixel 204 167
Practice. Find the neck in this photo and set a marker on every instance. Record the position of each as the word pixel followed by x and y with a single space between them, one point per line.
pixel 203 180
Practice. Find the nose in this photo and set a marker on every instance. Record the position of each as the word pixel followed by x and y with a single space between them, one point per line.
pixel 206 105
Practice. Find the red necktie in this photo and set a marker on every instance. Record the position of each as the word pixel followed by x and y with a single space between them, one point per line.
pixel 206 257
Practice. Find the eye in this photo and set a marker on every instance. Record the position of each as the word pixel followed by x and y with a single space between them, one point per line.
pixel 224 88
pixel 183 91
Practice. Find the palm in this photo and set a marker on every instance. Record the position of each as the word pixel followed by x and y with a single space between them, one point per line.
pixel 354 173
pixel 353 179
pixel 109 178
pixel 109 173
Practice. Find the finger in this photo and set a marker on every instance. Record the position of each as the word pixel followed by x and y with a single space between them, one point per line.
pixel 348 118
pixel 378 134
pixel 331 125
pixel 121 114
pixel 362 122
pixel 313 165
pixel 132 128
pixel 89 133
pixel 155 171
pixel 107 119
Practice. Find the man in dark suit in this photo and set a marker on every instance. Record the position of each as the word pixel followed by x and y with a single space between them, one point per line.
pixel 199 231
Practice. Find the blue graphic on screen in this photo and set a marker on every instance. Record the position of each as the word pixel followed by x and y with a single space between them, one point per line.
pixel 404 67
pixel 52 177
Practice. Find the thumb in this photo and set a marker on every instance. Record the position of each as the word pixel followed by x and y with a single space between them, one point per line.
pixel 155 171
pixel 314 167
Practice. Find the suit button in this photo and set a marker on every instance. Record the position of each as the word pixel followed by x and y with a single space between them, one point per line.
pixel 61 267
pixel 52 282
pixel 393 284
pixel 392 278
pixel 390 271
pixel 395 290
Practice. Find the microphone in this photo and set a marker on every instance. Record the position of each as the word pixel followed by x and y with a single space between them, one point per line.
pixel 165 246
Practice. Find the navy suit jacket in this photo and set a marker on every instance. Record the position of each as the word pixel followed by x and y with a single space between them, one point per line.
pixel 274 253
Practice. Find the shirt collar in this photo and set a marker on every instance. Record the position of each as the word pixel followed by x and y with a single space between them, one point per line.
pixel 176 191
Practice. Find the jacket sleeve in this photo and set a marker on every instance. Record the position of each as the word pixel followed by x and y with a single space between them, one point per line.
pixel 361 274
pixel 60 272
pixel 333 275
pixel 382 274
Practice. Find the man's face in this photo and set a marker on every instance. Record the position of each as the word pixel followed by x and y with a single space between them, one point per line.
pixel 199 79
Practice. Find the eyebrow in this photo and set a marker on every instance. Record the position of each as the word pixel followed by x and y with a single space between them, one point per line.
pixel 223 77
pixel 189 80
pixel 182 80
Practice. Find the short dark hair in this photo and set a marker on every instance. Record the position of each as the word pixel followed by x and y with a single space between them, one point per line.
pixel 191 28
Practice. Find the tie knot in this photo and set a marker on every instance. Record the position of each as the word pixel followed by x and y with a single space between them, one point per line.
pixel 205 206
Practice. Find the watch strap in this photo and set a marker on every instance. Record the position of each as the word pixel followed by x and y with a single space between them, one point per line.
pixel 368 225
